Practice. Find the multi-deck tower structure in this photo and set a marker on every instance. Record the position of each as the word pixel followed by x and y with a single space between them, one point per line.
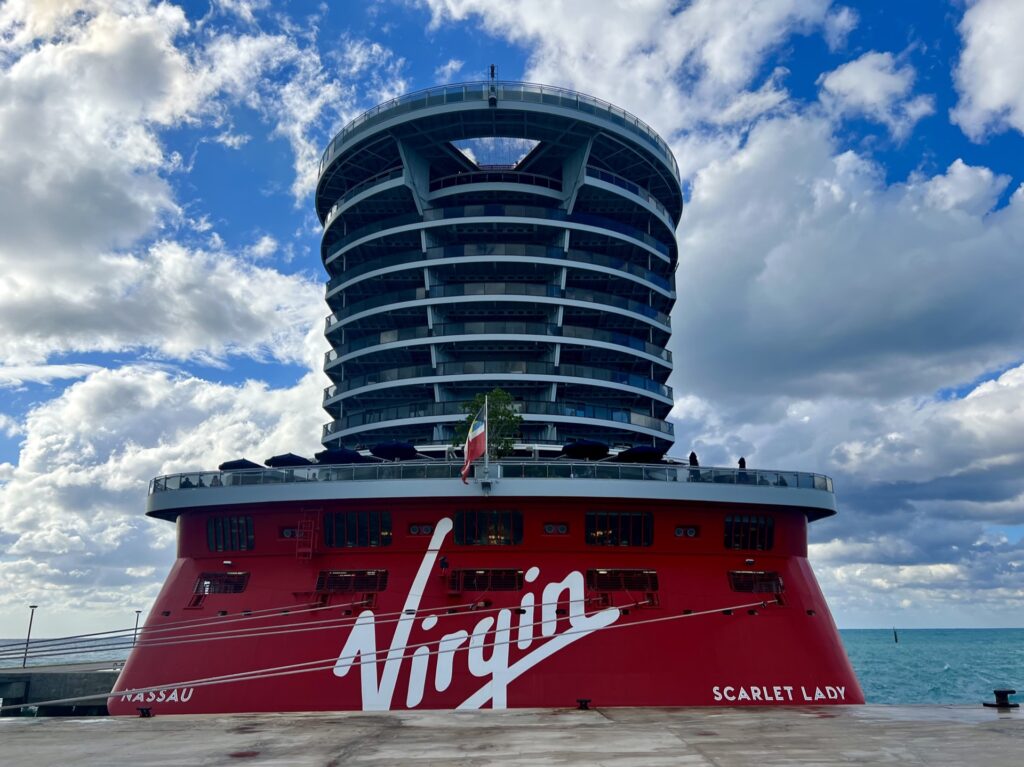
pixel 550 276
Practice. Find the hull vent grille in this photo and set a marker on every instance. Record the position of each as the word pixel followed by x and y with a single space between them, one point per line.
pixel 756 582
pixel 622 580
pixel 486 580
pixel 334 581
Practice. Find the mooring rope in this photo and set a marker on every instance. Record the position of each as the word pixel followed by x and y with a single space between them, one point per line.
pixel 360 657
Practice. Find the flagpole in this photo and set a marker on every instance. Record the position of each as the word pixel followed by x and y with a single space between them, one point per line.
pixel 487 437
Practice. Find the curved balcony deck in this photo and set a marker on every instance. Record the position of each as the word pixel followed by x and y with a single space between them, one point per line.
pixel 530 331
pixel 497 213
pixel 581 259
pixel 502 370
pixel 476 291
pixel 455 411
pixel 172 494
pixel 474 95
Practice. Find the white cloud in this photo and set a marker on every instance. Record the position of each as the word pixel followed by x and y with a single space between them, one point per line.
pixel 71 511
pixel 838 26
pixel 16 375
pixel 448 70
pixel 877 87
pixel 877 290
pixel 991 66
pixel 686 66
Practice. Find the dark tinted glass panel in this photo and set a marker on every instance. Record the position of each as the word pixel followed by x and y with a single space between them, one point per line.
pixel 230 534
pixel 488 528
pixel 619 528
pixel 350 529
pixel 749 531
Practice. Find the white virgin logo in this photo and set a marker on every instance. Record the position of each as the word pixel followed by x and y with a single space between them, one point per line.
pixel 378 689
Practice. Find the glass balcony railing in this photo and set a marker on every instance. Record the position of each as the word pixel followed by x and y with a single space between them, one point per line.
pixel 501 367
pixel 495 177
pixel 505 469
pixel 362 186
pixel 505 92
pixel 440 331
pixel 629 186
pixel 483 289
pixel 497 211
pixel 620 416
pixel 498 249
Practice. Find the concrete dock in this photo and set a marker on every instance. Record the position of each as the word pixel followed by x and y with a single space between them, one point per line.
pixel 722 737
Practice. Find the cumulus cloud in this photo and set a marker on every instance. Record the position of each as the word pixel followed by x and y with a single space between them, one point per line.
pixel 74 536
pixel 838 26
pixel 878 87
pixel 880 290
pixel 686 66
pixel 448 70
pixel 988 74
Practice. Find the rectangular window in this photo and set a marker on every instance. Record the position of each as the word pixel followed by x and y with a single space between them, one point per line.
pixel 486 580
pixel 753 532
pixel 622 580
pixel 619 528
pixel 331 581
pixel 488 528
pixel 221 583
pixel 230 534
pixel 357 529
pixel 756 582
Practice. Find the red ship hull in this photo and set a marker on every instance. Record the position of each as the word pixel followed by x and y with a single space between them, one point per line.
pixel 689 624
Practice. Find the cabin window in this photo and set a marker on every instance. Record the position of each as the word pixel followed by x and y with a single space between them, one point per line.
pixel 230 534
pixel 619 528
pixel 332 581
pixel 622 580
pixel 357 529
pixel 756 582
pixel 221 583
pixel 749 531
pixel 486 580
pixel 488 528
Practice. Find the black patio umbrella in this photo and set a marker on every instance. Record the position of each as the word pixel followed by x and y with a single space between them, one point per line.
pixel 340 455
pixel 394 451
pixel 586 449
pixel 240 463
pixel 287 459
pixel 640 454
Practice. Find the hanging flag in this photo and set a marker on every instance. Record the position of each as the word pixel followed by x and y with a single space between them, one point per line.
pixel 476 441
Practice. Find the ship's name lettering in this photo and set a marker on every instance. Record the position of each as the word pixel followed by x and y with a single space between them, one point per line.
pixel 496 633
pixel 171 695
pixel 778 693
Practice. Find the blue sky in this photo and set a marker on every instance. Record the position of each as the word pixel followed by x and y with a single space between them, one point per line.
pixel 848 286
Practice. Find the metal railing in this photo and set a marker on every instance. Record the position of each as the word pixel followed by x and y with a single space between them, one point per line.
pixel 496 211
pixel 620 416
pixel 416 257
pixel 495 177
pixel 505 91
pixel 629 186
pixel 362 186
pixel 483 289
pixel 499 367
pixel 505 469
pixel 440 331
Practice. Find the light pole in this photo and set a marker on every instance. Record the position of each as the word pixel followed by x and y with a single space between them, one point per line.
pixel 31 615
pixel 136 634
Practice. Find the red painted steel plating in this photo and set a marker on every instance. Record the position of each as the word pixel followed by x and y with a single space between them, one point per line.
pixel 511 648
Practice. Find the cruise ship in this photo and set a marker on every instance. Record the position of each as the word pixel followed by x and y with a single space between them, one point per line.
pixel 478 237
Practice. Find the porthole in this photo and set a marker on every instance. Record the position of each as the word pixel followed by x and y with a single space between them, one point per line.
pixel 687 531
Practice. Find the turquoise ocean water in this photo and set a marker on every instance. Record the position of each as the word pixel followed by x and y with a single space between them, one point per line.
pixel 926 666
pixel 936 665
